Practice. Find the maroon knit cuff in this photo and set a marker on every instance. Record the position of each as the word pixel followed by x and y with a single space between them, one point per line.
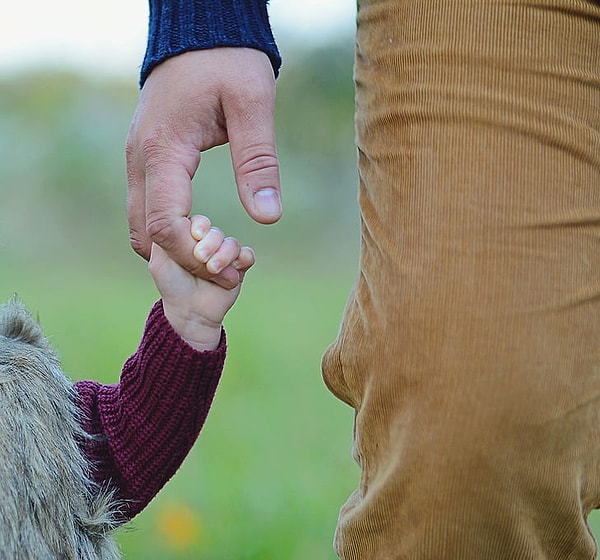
pixel 152 418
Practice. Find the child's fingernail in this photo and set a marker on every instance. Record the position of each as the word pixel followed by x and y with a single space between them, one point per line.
pixel 215 266
pixel 200 254
pixel 267 202
pixel 200 227
pixel 198 233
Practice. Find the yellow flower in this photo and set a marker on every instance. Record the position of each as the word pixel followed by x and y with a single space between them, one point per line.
pixel 180 525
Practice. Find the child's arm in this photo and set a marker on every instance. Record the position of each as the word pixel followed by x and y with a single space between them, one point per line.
pixel 149 421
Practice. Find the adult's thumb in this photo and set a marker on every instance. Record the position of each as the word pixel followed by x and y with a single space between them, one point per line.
pixel 251 134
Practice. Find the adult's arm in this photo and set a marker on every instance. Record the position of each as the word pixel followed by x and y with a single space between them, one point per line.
pixel 208 78
pixel 144 426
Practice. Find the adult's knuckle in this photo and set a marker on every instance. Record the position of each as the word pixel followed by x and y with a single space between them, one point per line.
pixel 153 150
pixel 258 159
pixel 161 229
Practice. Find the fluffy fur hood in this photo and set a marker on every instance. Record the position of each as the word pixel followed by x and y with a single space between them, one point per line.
pixel 49 506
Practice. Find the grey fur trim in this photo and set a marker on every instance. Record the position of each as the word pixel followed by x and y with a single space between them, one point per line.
pixel 49 506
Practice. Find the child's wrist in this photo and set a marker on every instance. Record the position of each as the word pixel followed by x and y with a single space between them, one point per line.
pixel 205 342
pixel 198 332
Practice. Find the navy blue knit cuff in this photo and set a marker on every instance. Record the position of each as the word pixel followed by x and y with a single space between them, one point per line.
pixel 178 26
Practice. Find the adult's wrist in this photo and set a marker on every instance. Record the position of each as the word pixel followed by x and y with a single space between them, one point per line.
pixel 178 26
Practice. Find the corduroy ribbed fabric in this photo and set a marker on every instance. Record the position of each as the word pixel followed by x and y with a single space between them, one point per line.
pixel 470 347
pixel 147 423
pixel 179 26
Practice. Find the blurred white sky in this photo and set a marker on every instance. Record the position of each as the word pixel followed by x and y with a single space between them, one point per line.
pixel 108 36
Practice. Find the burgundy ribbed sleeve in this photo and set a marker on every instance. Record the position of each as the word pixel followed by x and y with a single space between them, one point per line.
pixel 148 422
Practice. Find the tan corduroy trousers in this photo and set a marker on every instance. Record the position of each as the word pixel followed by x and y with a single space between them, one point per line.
pixel 470 346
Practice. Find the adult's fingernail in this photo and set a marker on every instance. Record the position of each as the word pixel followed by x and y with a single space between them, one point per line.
pixel 267 202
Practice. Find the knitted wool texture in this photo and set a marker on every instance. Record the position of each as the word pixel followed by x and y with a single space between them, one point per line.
pixel 183 25
pixel 145 426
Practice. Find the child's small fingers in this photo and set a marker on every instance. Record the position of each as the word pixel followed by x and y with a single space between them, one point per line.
pixel 209 244
pixel 224 256
pixel 200 226
pixel 245 259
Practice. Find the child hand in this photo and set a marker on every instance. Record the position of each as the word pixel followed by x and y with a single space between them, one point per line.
pixel 196 307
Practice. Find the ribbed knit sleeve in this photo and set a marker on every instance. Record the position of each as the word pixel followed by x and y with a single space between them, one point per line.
pixel 177 26
pixel 145 425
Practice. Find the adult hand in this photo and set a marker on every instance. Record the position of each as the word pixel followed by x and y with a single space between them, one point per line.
pixel 189 104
